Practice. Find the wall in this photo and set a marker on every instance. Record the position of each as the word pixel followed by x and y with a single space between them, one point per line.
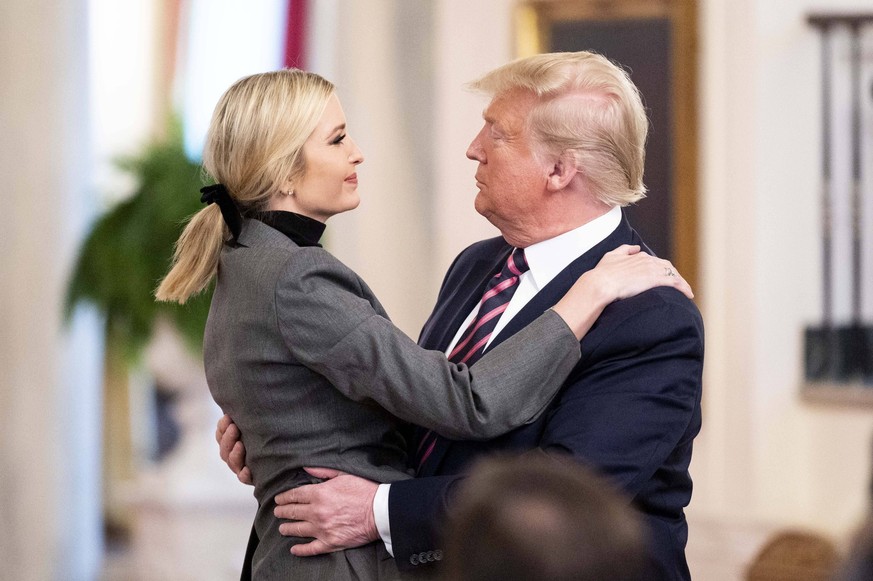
pixel 766 456
pixel 401 80
pixel 764 460
pixel 49 385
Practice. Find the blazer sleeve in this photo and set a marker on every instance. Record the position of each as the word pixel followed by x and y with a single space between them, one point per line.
pixel 634 405
pixel 329 326
pixel 625 410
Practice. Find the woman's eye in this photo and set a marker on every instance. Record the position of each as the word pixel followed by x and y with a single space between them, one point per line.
pixel 338 140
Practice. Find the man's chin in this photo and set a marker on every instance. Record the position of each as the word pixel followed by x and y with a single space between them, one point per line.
pixel 488 215
pixel 480 206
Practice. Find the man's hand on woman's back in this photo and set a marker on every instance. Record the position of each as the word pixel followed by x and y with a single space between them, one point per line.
pixel 232 450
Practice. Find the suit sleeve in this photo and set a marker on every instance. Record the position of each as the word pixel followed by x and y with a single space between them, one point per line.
pixel 634 406
pixel 330 327
pixel 630 409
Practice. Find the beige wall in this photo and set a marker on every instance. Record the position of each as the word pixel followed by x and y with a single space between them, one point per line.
pixel 400 75
pixel 764 457
pixel 49 483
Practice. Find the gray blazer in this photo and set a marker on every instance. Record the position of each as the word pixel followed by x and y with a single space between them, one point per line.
pixel 303 357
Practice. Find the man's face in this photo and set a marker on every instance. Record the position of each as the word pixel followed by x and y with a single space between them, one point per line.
pixel 510 177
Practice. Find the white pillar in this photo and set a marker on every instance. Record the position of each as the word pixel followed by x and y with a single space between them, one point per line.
pixel 49 386
pixel 400 69
pixel 459 113
pixel 384 79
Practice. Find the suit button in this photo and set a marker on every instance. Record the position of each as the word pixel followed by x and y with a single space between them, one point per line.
pixel 413 559
pixel 438 555
pixel 429 557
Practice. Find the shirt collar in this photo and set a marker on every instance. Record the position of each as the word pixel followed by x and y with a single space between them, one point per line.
pixel 549 257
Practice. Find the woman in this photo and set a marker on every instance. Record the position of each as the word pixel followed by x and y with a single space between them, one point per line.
pixel 298 350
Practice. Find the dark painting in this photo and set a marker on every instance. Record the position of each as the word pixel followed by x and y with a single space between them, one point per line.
pixel 643 48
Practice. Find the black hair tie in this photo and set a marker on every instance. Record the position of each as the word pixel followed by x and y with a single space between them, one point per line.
pixel 218 194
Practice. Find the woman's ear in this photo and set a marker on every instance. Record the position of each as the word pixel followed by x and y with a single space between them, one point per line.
pixel 562 171
pixel 286 188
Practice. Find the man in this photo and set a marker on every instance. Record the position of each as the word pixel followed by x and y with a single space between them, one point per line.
pixel 561 151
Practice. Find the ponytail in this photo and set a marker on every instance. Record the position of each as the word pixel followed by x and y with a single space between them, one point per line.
pixel 195 260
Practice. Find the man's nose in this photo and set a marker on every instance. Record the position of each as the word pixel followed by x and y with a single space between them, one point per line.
pixel 475 152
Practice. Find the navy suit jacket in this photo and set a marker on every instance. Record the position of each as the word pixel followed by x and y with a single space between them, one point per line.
pixel 630 408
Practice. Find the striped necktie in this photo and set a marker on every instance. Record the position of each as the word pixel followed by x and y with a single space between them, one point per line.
pixel 471 345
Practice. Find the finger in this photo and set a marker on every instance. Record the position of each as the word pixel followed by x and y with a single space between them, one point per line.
pixel 316 547
pixel 323 473
pixel 677 281
pixel 667 268
pixel 237 457
pixel 295 512
pixel 299 495
pixel 221 427
pixel 228 441
pixel 245 476
pixel 223 422
pixel 297 529
pixel 683 286
pixel 624 250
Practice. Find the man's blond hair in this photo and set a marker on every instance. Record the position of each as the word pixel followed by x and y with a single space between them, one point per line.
pixel 587 106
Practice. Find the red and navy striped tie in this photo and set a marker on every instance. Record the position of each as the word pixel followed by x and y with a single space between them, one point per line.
pixel 472 343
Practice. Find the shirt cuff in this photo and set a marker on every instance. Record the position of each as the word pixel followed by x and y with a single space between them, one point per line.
pixel 380 514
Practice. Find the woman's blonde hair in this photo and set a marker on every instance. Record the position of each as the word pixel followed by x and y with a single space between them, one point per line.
pixel 587 106
pixel 254 145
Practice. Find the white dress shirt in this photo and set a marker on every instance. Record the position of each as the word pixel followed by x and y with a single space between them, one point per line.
pixel 546 259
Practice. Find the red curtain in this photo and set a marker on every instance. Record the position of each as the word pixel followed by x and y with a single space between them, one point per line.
pixel 295 37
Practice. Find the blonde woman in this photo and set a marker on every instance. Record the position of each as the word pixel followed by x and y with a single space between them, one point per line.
pixel 297 349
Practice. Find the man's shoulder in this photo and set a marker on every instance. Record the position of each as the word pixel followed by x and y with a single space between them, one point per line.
pixel 482 250
pixel 652 316
pixel 659 297
pixel 487 247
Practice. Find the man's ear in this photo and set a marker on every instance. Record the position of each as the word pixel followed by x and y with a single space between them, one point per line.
pixel 562 171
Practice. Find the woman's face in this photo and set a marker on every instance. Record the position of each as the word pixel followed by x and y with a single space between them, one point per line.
pixel 329 184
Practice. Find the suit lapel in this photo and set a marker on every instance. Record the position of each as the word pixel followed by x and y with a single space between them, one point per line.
pixel 448 316
pixel 558 287
pixel 444 323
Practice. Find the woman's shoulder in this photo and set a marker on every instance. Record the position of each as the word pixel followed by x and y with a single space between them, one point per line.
pixel 311 268
pixel 271 245
pixel 314 259
pixel 294 267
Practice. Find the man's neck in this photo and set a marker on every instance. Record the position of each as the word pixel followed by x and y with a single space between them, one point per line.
pixel 552 224
pixel 549 257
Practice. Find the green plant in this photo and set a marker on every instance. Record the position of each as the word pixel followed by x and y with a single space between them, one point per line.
pixel 129 248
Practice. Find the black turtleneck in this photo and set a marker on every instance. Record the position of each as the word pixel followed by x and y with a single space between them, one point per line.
pixel 302 230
